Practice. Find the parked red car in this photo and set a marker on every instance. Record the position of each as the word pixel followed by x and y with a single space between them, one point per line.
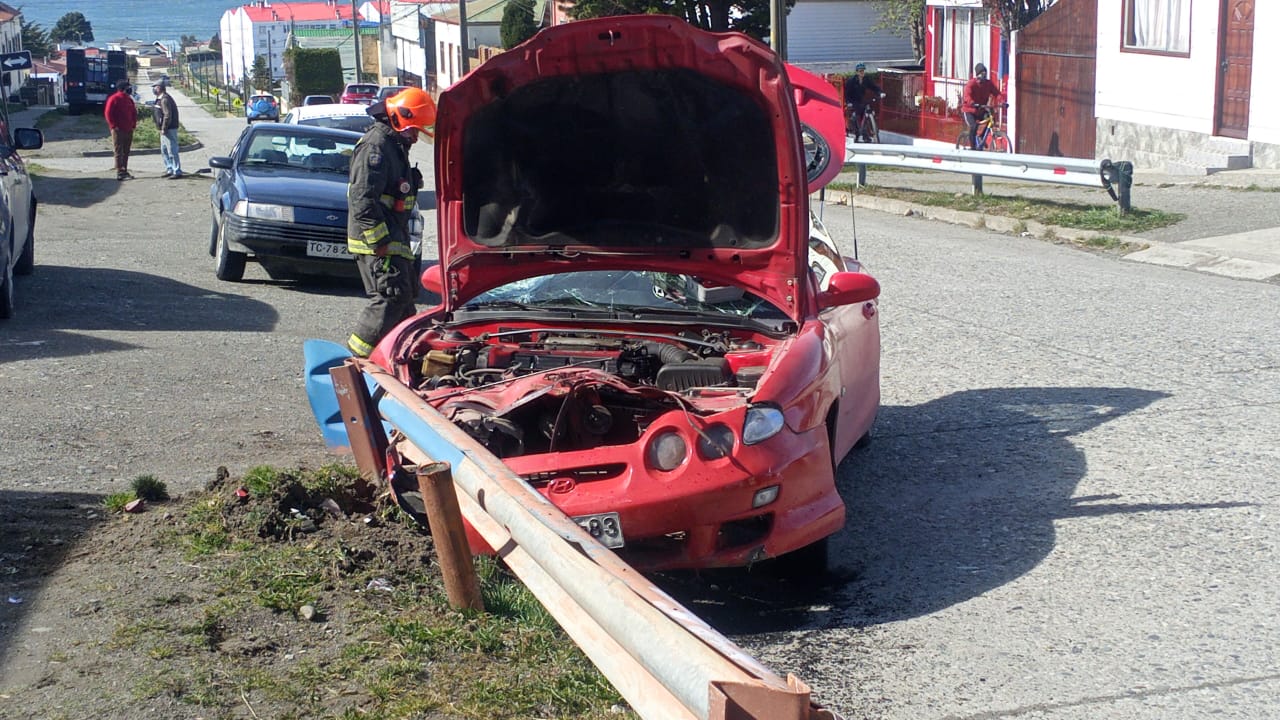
pixel 639 315
pixel 359 94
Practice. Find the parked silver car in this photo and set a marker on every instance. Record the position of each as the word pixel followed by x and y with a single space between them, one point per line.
pixel 17 212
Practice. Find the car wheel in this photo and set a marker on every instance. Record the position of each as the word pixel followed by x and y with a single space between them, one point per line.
pixel 27 260
pixel 230 264
pixel 213 235
pixel 6 285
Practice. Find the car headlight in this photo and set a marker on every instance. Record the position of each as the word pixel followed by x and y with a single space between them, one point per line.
pixel 263 211
pixel 715 442
pixel 667 451
pixel 762 422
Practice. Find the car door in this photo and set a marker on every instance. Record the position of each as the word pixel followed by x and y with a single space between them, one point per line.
pixel 15 188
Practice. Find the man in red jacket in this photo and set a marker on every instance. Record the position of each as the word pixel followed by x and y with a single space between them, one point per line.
pixel 978 95
pixel 122 118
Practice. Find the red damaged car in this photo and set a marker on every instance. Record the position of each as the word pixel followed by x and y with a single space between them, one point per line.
pixel 639 314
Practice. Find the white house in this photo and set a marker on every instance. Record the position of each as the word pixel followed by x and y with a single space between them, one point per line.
pixel 1183 85
pixel 413 36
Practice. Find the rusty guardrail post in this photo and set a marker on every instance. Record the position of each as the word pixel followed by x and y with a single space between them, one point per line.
pixel 435 482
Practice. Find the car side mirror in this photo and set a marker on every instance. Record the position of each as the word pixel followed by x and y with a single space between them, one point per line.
pixel 28 139
pixel 220 162
pixel 848 288
pixel 433 279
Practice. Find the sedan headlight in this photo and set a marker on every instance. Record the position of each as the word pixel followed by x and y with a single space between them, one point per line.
pixel 667 451
pixel 263 211
pixel 762 422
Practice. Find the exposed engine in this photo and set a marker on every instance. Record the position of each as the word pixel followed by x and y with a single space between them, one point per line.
pixel 521 392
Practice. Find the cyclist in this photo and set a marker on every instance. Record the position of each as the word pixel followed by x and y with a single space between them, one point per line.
pixel 857 89
pixel 978 94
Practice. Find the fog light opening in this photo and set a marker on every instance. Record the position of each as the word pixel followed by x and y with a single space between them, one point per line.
pixel 764 496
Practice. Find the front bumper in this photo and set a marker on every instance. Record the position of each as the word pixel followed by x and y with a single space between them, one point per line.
pixel 288 244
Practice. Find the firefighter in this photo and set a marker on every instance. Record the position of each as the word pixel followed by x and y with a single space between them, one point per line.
pixel 381 194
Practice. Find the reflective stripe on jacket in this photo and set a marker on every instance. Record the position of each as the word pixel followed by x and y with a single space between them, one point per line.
pixel 380 194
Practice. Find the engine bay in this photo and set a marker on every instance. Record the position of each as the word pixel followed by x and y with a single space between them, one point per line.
pixel 521 391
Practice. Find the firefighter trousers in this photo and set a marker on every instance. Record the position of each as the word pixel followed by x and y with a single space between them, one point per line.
pixel 389 283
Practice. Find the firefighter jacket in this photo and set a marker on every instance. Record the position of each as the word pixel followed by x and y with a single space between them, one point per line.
pixel 381 193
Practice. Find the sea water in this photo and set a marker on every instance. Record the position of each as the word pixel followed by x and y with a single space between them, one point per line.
pixel 146 20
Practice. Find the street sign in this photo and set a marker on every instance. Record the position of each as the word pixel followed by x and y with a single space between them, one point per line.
pixel 20 60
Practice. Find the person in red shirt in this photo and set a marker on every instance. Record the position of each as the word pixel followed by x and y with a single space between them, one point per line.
pixel 122 118
pixel 978 94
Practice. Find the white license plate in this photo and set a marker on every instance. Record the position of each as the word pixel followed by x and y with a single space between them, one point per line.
pixel 319 248
pixel 605 528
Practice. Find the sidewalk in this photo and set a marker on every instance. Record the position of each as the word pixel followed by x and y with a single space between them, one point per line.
pixel 1232 226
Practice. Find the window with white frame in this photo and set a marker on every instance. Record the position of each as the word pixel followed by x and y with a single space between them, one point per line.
pixel 961 38
pixel 1160 26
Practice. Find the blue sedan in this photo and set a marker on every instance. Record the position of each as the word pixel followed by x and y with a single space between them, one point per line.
pixel 281 199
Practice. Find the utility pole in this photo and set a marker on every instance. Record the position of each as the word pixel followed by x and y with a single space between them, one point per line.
pixel 355 38
pixel 778 27
pixel 462 30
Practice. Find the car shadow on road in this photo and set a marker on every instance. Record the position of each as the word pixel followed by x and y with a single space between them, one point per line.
pixel 76 191
pixel 38 533
pixel 953 498
pixel 57 302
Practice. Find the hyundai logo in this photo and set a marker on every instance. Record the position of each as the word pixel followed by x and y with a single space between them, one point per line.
pixel 331 218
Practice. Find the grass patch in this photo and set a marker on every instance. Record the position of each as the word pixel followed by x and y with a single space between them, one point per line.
pixel 385 644
pixel 115 502
pixel 1101 218
pixel 1252 187
pixel 147 137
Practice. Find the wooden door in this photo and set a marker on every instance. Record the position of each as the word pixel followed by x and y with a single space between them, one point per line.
pixel 1056 67
pixel 1235 69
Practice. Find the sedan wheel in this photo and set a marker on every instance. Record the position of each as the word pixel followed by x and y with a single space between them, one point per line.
pixel 6 286
pixel 230 265
pixel 27 260
pixel 213 236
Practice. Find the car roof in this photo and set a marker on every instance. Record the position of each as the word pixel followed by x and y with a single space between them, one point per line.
pixel 362 85
pixel 308 112
pixel 303 130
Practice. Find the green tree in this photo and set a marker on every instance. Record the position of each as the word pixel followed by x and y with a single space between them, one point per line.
pixel 261 74
pixel 518 24
pixel 72 26
pixel 904 18
pixel 215 44
pixel 1015 14
pixel 188 41
pixel 745 16
pixel 35 39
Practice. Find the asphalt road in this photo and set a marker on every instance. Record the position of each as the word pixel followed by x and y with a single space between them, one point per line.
pixel 1069 509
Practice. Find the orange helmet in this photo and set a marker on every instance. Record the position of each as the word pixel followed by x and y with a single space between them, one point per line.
pixel 411 107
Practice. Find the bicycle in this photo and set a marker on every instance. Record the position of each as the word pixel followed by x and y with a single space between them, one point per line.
pixel 989 135
pixel 866 130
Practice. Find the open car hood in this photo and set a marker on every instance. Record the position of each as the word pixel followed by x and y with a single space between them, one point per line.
pixel 630 143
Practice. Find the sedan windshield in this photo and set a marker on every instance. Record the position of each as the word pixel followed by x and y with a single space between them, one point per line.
pixel 308 152
pixel 622 293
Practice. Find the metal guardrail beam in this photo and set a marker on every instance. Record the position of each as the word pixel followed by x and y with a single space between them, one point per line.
pixel 666 662
pixel 1116 178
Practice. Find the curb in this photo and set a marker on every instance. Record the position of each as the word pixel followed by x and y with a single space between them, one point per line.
pixel 148 151
pixel 1148 251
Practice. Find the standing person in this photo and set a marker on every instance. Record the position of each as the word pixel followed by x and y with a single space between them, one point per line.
pixel 856 89
pixel 166 117
pixel 381 194
pixel 122 118
pixel 978 94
